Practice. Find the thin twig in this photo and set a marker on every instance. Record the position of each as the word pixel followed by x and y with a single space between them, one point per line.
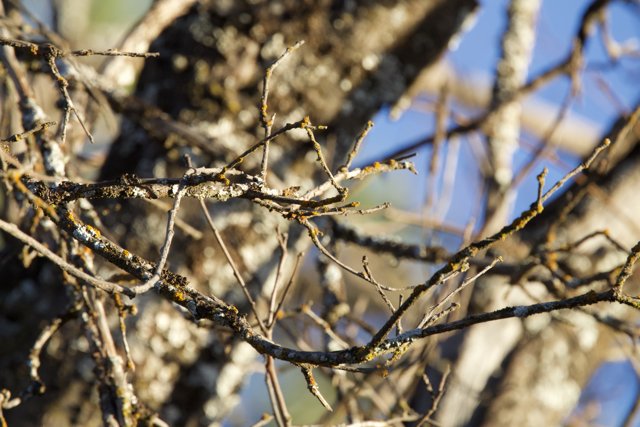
pixel 164 254
pixel 122 311
pixel 575 171
pixel 282 241
pixel 21 136
pixel 356 146
pixel 314 234
pixel 367 271
pixel 567 66
pixel 64 265
pixel 442 115
pixel 37 386
pixel 324 325
pixel 50 54
pixel 276 396
pixel 287 127
pixel 460 259
pixel 296 266
pixel 627 268
pixel 568 247
pixel 114 52
pixel 428 317
pixel 318 149
pixel 187 228
pixel 233 266
pixel 267 123
pixel 312 385
pixel 437 397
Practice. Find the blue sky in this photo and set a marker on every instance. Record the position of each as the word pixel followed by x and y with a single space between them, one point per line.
pixel 476 57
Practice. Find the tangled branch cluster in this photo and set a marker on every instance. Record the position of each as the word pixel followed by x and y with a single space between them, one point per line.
pixel 56 210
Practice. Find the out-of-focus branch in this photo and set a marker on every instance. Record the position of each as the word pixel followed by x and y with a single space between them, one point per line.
pixel 570 65
pixel 122 70
pixel 503 129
